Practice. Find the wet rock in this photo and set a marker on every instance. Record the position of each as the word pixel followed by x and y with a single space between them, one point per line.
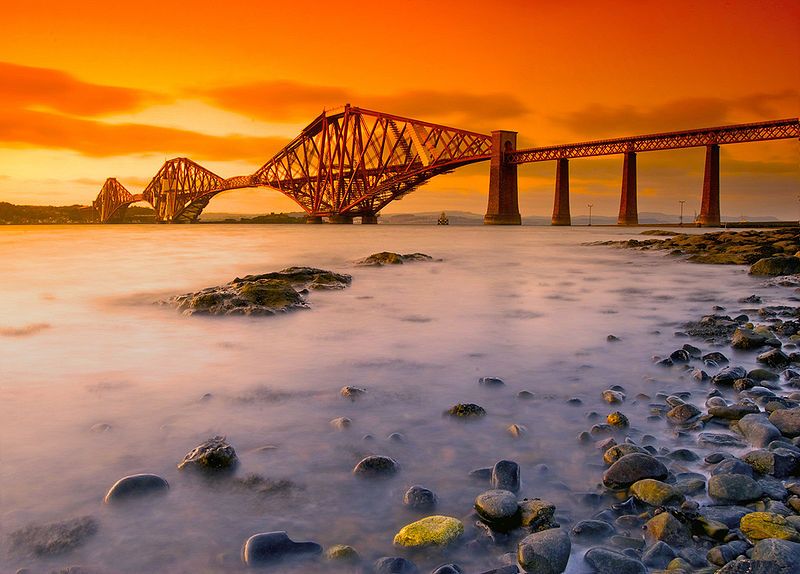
pixel 774 463
pixel 724 553
pixel 656 493
pixel 780 553
pixel 592 530
pixel 352 393
pixel 376 466
pixel 617 420
pixel 390 258
pixel 757 430
pixel 746 339
pixel 341 423
pixel 612 339
pixel 491 382
pixel 774 358
pixel 761 525
pixel 498 508
pixel 733 488
pixel 680 356
pixel 448 569
pixel 716 357
pixel 614 453
pixel 762 376
pixel 394 565
pixel 517 431
pixel 733 466
pixel 787 421
pixel 264 486
pixel 430 531
pixel 684 413
pixel 506 476
pixel 419 498
pixel 537 514
pixel 342 553
pixel 136 485
pixel 53 538
pixel 776 266
pixel 466 410
pixel 613 397
pixel 632 468
pixel 658 555
pixel 215 454
pixel 100 427
pixel 668 529
pixel 545 552
pixel 605 561
pixel 525 395
pixel 728 375
pixel 727 515
pixel 396 437
pixel 481 473
pixel 270 547
pixel 733 412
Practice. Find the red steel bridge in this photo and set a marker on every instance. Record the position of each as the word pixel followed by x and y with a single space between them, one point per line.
pixel 352 163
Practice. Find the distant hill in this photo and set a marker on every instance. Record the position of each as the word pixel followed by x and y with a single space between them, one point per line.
pixel 11 214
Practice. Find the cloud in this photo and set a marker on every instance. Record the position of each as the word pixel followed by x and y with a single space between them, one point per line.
pixel 98 139
pixel 602 121
pixel 25 87
pixel 291 101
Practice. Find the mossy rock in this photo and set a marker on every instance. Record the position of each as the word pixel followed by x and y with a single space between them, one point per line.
pixel 466 410
pixel 430 531
pixel 761 525
pixel 342 553
pixel 656 493
pixel 775 266
pixel 271 293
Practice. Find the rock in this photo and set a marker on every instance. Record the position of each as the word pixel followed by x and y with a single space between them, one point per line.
pixel 466 410
pixel 632 468
pixel 525 395
pixel 269 547
pixel 396 437
pixel 419 498
pixel 733 488
pixel 537 514
pixel 727 515
pixel 774 358
pixel 213 455
pixel 449 569
pixel 605 561
pixel 394 565
pixel 352 393
pixel 733 412
pixel 668 529
pixel 733 466
pixel 746 340
pixel 592 529
pixel 100 427
pixel 517 431
pixel 684 413
pixel 658 555
pixel 613 397
pixel 510 569
pixel 484 473
pixel 709 528
pixel 656 493
pixel 716 357
pixel 341 423
pixel 136 485
pixel 498 508
pixel 787 421
pixel 614 453
pixel 713 439
pixel 430 531
pixel 680 356
pixel 761 525
pixel 757 430
pixel 728 376
pixel 53 538
pixel 775 266
pixel 780 553
pixel 545 552
pixel 376 466
pixel 720 555
pixel 342 553
pixel 774 463
pixel 506 476
pixel 491 382
pixel 390 258
pixel 617 420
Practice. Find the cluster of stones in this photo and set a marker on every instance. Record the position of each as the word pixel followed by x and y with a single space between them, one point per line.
pixel 391 258
pixel 770 252
pixel 265 294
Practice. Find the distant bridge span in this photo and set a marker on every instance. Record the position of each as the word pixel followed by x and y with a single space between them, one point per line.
pixel 354 162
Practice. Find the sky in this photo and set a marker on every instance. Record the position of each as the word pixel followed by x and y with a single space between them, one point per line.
pixel 88 91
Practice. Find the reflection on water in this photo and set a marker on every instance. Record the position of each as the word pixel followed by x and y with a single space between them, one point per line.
pixel 82 345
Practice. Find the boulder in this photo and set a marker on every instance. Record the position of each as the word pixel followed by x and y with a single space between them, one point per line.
pixel 419 498
pixel 537 514
pixel 668 529
pixel 215 454
pixel 758 430
pixel 733 488
pixel 136 485
pixel 775 266
pixel 506 476
pixel 498 508
pixel 376 466
pixel 787 421
pixel 606 561
pixel 656 493
pixel 430 531
pixel 271 547
pixel 545 552
pixel 762 525
pixel 746 339
pixel 394 565
pixel 466 410
pixel 632 468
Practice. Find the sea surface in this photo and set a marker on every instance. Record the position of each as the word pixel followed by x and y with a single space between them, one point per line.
pixel 98 381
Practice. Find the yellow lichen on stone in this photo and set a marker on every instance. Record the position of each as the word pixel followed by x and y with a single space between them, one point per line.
pixel 761 525
pixel 430 531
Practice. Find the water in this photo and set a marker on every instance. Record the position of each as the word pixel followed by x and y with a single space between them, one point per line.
pixel 82 344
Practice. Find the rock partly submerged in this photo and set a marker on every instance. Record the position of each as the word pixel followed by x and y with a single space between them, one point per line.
pixel 53 538
pixel 391 258
pixel 265 294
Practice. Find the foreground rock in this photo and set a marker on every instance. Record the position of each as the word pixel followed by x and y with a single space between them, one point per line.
pixel 394 565
pixel 270 547
pixel 136 485
pixel 498 508
pixel 775 266
pixel 430 531
pixel 390 258
pixel 607 561
pixel 376 466
pixel 264 294
pixel 545 552
pixel 213 455
pixel 53 538
pixel 632 468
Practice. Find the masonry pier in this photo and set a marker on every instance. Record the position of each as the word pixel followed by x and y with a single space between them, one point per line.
pixel 709 206
pixel 561 214
pixel 503 208
pixel 628 212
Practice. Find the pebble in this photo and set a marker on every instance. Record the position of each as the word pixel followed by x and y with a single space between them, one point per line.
pixel 733 488
pixel 498 508
pixel 394 565
pixel 506 476
pixel 419 498
pixel 545 552
pixel 491 382
pixel 341 423
pixel 376 466
pixel 631 468
pixel 606 561
pixel 269 547
pixel 352 393
pixel 136 485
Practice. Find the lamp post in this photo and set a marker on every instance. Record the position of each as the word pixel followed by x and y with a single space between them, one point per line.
pixel 681 201
pixel 590 206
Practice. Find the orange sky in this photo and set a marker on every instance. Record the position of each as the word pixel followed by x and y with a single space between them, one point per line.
pixel 91 90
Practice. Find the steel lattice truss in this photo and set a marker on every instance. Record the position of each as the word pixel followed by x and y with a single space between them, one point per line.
pixel 773 130
pixel 112 200
pixel 357 161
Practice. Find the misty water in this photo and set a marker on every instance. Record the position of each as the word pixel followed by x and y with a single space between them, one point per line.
pixel 83 344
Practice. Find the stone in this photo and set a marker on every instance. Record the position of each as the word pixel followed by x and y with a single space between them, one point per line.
pixel 613 397
pixel 376 466
pixel 617 420
pixel 341 423
pixel 733 412
pixel 419 498
pixel 53 538
pixel 658 555
pixel 709 528
pixel 517 431
pixel 352 393
pixel 506 476
pixel 614 453
pixel 394 565
pixel 136 485
pixel 733 488
pixel 787 421
pixel 773 462
pixel 342 553
pixel 491 382
pixel 545 552
pixel 391 258
pixel 776 266
pixel 656 493
pixel 730 516
pixel 757 430
pixel 632 468
pixel 466 410
pixel 430 531
pixel 592 529
pixel 537 514
pixel 668 529
pixel 606 561
pixel 684 413
pixel 781 553
pixel 745 339
pixel 733 466
pixel 498 508
pixel 716 357
pixel 271 547
pixel 215 454
pixel 774 358
pixel 761 525
pixel 713 439
pixel 724 553
pixel 448 569
pixel 728 375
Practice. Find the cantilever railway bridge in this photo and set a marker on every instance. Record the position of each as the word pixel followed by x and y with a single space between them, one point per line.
pixel 354 162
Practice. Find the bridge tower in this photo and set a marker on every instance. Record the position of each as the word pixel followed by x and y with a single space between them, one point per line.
pixel 628 212
pixel 503 208
pixel 709 206
pixel 561 214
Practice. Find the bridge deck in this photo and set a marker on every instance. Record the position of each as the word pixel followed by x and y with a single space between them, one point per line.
pixel 739 133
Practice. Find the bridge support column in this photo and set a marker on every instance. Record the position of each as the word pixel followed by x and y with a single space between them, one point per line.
pixel 628 212
pixel 561 204
pixel 503 208
pixel 340 219
pixel 313 219
pixel 369 219
pixel 709 207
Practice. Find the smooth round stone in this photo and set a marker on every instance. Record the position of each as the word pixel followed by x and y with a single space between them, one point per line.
pixel 762 525
pixel 430 531
pixel 448 569
pixel 632 468
pixel 419 498
pixel 394 565
pixel 491 382
pixel 779 553
pixel 352 393
pixel 655 492
pixel 592 529
pixel 733 488
pixel 376 466
pixel 341 423
pixel 733 466
pixel 545 552
pixel 616 452
pixel 342 553
pixel 606 561
pixel 269 547
pixel 136 485
pixel 506 476
pixel 497 506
